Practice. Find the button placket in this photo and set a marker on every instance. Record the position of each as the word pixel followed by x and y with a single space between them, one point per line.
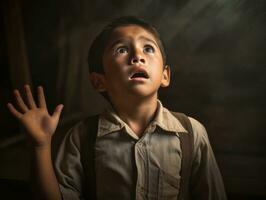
pixel 139 185
pixel 142 168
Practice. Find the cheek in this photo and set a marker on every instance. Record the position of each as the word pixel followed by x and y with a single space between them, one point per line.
pixel 118 67
pixel 120 61
pixel 115 73
pixel 160 58
pixel 156 58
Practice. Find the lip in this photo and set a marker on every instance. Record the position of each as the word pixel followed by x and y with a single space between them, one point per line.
pixel 138 80
pixel 139 69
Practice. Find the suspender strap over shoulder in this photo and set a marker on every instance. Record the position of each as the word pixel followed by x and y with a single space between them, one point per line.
pixel 88 152
pixel 187 146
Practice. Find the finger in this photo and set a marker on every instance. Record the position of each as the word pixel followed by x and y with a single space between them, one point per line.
pixel 14 111
pixel 20 101
pixel 57 111
pixel 41 97
pixel 30 99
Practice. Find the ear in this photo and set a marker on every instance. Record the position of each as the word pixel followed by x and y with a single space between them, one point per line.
pixel 166 76
pixel 97 81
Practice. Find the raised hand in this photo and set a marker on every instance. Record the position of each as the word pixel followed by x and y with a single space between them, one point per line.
pixel 39 124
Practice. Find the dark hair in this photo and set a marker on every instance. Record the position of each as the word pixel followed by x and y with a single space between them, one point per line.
pixel 99 44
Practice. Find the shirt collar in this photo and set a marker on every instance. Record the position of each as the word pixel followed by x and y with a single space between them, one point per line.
pixel 110 122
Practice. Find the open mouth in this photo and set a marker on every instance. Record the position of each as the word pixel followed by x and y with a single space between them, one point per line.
pixel 140 74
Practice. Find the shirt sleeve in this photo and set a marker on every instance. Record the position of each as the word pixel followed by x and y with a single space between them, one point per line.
pixel 68 167
pixel 206 179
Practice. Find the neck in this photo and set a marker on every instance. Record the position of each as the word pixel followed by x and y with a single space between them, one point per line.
pixel 136 113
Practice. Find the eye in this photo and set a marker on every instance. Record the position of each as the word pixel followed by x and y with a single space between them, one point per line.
pixel 148 49
pixel 122 50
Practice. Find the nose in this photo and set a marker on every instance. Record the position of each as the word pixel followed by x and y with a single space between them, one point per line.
pixel 137 57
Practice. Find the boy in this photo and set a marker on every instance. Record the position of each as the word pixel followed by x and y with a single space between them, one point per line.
pixel 136 152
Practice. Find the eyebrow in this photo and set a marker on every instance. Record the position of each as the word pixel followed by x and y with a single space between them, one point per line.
pixel 115 43
pixel 123 40
pixel 149 40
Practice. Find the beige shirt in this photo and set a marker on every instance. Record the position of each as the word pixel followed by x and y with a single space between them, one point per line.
pixel 129 167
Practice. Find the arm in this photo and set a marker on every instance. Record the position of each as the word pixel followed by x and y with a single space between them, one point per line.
pixel 40 127
pixel 68 164
pixel 206 179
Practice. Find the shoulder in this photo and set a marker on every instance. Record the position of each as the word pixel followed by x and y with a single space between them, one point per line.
pixel 198 128
pixel 84 124
pixel 201 140
pixel 80 129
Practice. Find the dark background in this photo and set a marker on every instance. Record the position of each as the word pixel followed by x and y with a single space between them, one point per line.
pixel 216 49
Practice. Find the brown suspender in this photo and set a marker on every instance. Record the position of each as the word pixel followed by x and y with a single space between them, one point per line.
pixel 186 143
pixel 88 151
pixel 187 146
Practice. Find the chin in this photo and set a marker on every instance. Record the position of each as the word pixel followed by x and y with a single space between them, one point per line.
pixel 141 93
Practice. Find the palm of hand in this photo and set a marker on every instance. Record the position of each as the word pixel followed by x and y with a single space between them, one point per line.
pixel 39 124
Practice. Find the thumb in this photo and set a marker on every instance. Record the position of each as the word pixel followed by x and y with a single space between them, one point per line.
pixel 57 111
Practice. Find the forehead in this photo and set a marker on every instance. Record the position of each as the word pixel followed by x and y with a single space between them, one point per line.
pixel 130 32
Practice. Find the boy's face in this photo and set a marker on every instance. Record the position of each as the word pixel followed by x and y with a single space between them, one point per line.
pixel 132 63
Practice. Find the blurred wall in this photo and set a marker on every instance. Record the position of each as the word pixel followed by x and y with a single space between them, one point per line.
pixel 216 50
